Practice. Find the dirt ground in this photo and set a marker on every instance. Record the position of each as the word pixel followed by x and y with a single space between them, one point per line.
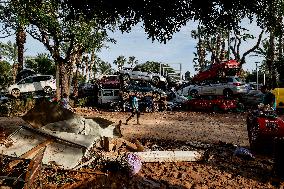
pixel 216 134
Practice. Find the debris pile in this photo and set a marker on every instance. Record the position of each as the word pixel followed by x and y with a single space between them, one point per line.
pixel 55 143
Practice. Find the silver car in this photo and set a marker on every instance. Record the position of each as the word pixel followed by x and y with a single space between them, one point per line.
pixel 138 74
pixel 227 86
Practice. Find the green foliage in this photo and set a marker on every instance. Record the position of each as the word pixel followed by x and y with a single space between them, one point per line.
pixel 5 74
pixel 120 62
pixel 80 78
pixel 85 102
pixel 9 51
pixel 131 61
pixel 152 66
pixel 41 64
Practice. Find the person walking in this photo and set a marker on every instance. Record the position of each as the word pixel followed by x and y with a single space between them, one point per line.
pixel 135 109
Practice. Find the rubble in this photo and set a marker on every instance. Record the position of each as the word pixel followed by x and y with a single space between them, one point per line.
pixel 97 166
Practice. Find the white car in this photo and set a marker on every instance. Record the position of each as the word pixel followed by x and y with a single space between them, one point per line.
pixel 108 95
pixel 228 86
pixel 34 83
pixel 138 74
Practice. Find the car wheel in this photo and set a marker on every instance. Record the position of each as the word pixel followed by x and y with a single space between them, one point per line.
pixel 156 80
pixel 148 109
pixel 228 93
pixel 126 77
pixel 193 93
pixel 156 96
pixel 125 96
pixel 220 73
pixel 47 90
pixel 15 93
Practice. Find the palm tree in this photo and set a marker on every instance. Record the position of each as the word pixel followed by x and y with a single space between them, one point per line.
pixel 132 61
pixel 20 41
pixel 120 62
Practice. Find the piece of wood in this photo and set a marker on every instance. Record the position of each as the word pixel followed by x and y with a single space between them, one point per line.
pixel 29 154
pixel 34 170
pixel 169 156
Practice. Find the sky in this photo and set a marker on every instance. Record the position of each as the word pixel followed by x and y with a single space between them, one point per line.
pixel 179 50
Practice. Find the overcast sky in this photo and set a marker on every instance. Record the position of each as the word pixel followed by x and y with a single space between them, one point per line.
pixel 178 50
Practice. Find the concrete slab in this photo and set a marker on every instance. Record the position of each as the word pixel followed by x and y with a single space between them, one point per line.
pixel 169 156
pixel 61 154
pixel 84 140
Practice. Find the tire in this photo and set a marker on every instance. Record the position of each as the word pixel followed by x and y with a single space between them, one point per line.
pixel 220 73
pixel 15 93
pixel 148 109
pixel 125 96
pixel 47 90
pixel 156 96
pixel 227 93
pixel 156 80
pixel 126 77
pixel 193 93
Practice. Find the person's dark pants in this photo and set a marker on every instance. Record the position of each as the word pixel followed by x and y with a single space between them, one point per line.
pixel 132 115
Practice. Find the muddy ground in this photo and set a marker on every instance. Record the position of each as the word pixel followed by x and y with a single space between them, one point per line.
pixel 216 134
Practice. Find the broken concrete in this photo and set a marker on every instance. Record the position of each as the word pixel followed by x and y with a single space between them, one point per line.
pixel 52 117
pixel 169 156
pixel 62 154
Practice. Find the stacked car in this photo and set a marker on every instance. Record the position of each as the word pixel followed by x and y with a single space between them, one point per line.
pixel 215 87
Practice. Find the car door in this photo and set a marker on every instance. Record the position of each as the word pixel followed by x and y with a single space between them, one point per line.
pixel 219 86
pixel 38 83
pixel 134 74
pixel 107 95
pixel 27 85
pixel 207 89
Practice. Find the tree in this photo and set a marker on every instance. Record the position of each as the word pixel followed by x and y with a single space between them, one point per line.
pixel 105 68
pixel 152 66
pixel 41 64
pixel 131 61
pixel 9 51
pixel 6 78
pixel 63 31
pixel 163 18
pixel 120 62
pixel 20 41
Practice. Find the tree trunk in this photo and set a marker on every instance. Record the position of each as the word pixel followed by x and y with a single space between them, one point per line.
pixel 21 40
pixel 271 59
pixel 58 91
pixel 93 62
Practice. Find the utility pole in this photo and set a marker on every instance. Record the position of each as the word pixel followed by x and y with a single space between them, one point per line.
pixel 256 75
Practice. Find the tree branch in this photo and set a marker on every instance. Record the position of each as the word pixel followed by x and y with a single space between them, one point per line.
pixel 253 48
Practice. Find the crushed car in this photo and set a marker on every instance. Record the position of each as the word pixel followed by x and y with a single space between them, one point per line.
pixel 218 70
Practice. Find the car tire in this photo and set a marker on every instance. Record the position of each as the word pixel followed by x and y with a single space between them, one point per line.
pixel 15 93
pixel 193 93
pixel 156 80
pixel 220 73
pixel 156 96
pixel 126 77
pixel 125 96
pixel 228 93
pixel 47 90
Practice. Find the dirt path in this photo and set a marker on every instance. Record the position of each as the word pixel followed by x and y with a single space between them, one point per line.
pixel 185 126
